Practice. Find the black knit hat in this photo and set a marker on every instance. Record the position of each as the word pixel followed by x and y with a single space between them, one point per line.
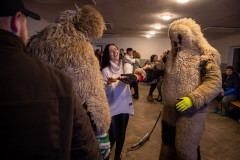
pixel 10 7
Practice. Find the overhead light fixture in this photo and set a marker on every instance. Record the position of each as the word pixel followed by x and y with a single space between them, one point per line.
pixel 182 1
pixel 152 32
pixel 148 36
pixel 166 17
pixel 157 27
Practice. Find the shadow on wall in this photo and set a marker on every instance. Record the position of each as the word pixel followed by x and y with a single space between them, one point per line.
pixel 143 61
pixel 223 67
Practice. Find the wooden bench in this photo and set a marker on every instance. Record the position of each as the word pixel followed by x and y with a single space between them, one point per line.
pixel 236 103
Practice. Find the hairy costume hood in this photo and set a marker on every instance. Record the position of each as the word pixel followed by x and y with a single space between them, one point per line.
pixel 192 36
pixel 86 20
pixel 65 45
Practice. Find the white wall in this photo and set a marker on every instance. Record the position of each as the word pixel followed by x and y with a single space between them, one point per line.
pixel 224 46
pixel 145 46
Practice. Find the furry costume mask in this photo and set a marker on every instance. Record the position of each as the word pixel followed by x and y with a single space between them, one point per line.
pixel 186 33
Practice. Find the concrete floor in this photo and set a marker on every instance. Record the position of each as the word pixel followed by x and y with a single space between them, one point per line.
pixel 220 140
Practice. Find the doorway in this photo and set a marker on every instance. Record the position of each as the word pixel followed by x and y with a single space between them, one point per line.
pixel 236 60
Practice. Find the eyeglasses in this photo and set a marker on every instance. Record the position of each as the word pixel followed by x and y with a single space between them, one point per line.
pixel 113 50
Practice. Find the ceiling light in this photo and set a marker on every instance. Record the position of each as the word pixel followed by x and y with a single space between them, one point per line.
pixel 148 36
pixel 157 27
pixel 152 32
pixel 182 1
pixel 167 17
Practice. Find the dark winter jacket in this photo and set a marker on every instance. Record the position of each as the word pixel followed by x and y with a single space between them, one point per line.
pixel 41 116
pixel 230 84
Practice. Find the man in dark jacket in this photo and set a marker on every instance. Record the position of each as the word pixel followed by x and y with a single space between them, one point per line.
pixel 230 86
pixel 41 116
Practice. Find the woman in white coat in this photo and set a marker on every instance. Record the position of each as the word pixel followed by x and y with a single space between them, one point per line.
pixel 119 97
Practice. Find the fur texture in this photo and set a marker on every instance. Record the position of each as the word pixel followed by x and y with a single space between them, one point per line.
pixel 191 70
pixel 65 45
pixel 142 72
pixel 193 64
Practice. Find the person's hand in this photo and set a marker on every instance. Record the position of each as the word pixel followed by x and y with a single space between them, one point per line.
pixel 184 104
pixel 104 145
pixel 128 78
pixel 122 77
pixel 222 94
pixel 110 80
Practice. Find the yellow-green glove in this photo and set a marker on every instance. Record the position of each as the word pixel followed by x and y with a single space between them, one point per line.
pixel 184 104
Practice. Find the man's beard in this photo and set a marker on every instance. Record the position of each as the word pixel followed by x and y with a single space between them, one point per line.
pixel 23 36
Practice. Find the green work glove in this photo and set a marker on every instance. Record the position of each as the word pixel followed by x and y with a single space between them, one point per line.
pixel 104 144
pixel 184 104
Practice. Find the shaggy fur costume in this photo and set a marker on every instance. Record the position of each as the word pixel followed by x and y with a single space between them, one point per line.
pixel 65 45
pixel 190 70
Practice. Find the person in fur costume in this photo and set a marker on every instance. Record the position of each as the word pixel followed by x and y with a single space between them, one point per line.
pixel 192 78
pixel 66 45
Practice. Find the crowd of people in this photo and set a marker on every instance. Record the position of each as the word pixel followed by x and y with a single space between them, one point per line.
pixel 126 63
pixel 131 60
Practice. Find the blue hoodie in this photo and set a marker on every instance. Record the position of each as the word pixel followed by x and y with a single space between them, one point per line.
pixel 230 84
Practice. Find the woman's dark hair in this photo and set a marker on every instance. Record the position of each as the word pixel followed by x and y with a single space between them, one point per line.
pixel 106 57
pixel 152 57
